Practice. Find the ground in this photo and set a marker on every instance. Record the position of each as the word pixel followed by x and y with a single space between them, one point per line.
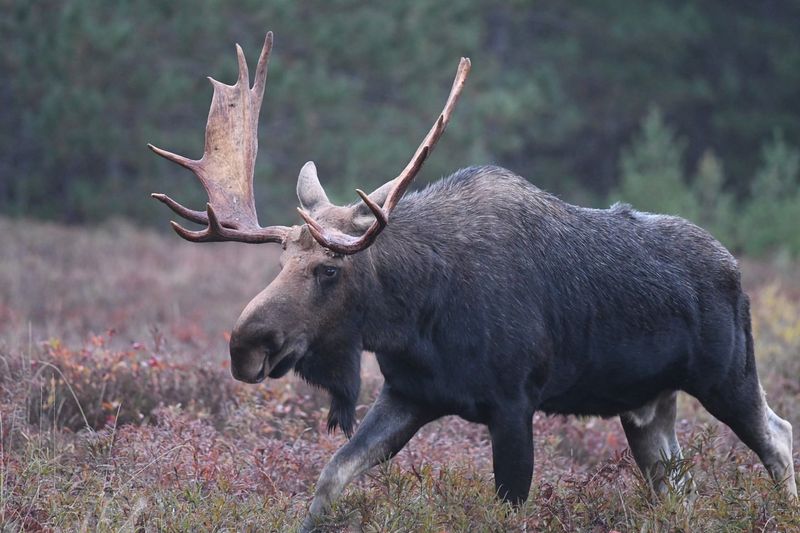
pixel 118 412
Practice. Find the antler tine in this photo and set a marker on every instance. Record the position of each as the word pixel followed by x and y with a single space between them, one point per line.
pixel 192 164
pixel 189 214
pixel 379 213
pixel 408 174
pixel 185 162
pixel 346 244
pixel 226 168
pixel 262 68
pixel 244 72
pixel 216 232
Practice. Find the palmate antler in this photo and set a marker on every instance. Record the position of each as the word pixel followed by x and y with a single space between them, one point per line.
pixel 226 168
pixel 393 190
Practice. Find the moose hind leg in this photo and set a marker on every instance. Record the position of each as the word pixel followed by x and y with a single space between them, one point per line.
pixel 740 403
pixel 386 428
pixel 650 431
pixel 780 464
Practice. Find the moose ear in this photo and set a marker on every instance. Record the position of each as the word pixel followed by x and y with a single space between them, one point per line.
pixel 379 195
pixel 362 215
pixel 309 191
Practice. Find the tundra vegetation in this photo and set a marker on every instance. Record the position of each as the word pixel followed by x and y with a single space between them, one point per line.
pixel 119 412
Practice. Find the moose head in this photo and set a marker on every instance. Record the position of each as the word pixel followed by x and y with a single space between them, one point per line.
pixel 311 315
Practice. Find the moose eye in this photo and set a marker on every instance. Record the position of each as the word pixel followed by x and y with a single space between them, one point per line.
pixel 327 272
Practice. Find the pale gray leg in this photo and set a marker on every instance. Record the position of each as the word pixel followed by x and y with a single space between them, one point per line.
pixel 388 426
pixel 742 405
pixel 777 456
pixel 651 436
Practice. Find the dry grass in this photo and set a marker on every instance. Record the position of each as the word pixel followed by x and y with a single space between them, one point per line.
pixel 117 412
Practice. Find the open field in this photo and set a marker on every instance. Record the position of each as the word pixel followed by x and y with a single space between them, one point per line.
pixel 118 412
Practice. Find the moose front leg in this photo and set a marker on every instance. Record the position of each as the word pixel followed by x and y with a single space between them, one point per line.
pixel 388 426
pixel 512 454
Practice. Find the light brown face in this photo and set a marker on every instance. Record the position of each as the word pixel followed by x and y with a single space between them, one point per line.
pixel 310 305
pixel 305 305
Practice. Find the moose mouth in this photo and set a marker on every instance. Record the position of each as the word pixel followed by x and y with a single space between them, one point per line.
pixel 283 366
pixel 278 367
pixel 274 364
pixel 285 362
pixel 279 364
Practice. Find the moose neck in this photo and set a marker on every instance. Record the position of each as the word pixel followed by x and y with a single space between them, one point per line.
pixel 405 272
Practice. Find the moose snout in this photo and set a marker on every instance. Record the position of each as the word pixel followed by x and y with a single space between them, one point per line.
pixel 248 365
pixel 250 355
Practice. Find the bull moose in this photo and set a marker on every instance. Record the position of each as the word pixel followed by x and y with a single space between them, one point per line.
pixel 485 297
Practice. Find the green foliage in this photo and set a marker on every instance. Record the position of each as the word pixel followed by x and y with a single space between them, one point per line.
pixel 716 208
pixel 772 218
pixel 652 170
pixel 653 179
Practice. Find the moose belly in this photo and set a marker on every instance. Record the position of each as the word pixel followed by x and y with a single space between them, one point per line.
pixel 435 386
pixel 596 374
pixel 608 378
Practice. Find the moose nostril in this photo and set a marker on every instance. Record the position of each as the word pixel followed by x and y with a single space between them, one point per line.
pixel 266 343
pixel 262 342
pixel 270 343
pixel 238 348
pixel 248 359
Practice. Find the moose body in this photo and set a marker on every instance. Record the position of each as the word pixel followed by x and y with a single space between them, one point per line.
pixel 487 298
pixel 490 299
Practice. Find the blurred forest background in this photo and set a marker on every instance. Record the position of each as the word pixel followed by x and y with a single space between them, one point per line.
pixel 686 107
